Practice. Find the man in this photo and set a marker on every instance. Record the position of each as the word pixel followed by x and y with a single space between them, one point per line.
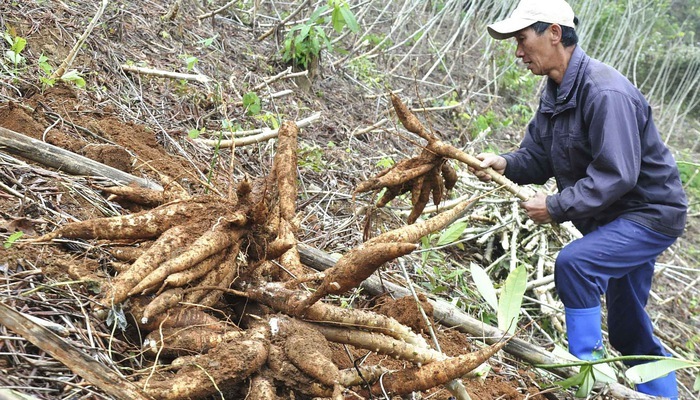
pixel 617 182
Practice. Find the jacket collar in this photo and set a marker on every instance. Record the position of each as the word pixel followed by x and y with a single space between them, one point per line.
pixel 564 99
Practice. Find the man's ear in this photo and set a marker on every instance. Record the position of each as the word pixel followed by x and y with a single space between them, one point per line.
pixel 556 32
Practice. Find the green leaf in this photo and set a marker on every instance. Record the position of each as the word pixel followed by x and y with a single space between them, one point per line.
pixel 649 371
pixel 584 380
pixel 317 14
pixel 12 239
pixel 696 384
pixel 251 102
pixel 337 19
pixel 14 58
pixel 349 19
pixel 73 77
pixel 193 133
pixel 586 385
pixel 191 61
pixel 511 299
pixel 572 381
pixel 452 233
pixel 303 33
pixel 484 285
pixel 425 244
pixel 44 64
pixel 19 44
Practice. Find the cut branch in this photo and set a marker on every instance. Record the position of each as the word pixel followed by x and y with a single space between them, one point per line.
pixel 65 160
pixel 58 73
pixel 165 74
pixel 77 361
pixel 263 136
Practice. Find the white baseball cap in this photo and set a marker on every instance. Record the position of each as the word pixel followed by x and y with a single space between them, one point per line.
pixel 530 11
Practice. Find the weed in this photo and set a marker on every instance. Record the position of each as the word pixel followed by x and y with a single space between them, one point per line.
pixel 381 40
pixel 46 70
pixel 190 61
pixel 311 157
pixel 208 41
pixel 366 72
pixel 269 119
pixel 10 241
pixel 304 42
pixel 194 133
pixel 251 102
pixel 17 45
pixel 385 162
pixel 487 123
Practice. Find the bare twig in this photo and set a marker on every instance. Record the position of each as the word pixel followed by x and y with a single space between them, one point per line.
pixel 58 73
pixel 166 74
pixel 284 21
pixel 264 135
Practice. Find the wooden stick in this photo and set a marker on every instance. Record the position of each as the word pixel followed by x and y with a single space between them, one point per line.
pixel 58 73
pixel 165 74
pixel 286 74
pixel 218 10
pixel 264 135
pixel 65 160
pixel 77 361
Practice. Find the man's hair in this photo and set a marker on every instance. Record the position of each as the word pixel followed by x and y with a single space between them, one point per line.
pixel 568 34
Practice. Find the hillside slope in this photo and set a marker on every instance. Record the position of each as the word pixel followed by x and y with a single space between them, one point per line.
pixel 173 130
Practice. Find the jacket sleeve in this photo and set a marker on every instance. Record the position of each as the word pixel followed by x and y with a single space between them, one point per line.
pixel 614 122
pixel 530 163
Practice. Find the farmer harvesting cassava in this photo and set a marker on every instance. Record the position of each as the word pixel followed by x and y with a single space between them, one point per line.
pixel 617 182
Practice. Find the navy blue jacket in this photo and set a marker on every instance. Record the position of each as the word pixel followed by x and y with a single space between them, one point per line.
pixel 596 136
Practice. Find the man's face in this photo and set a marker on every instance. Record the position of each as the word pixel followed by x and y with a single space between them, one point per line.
pixel 535 50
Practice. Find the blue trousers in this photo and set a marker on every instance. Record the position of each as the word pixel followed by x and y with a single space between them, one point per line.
pixel 617 260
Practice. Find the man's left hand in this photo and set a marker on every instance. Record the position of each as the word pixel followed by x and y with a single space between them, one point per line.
pixel 536 209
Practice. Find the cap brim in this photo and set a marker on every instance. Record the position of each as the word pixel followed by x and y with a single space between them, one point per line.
pixel 508 27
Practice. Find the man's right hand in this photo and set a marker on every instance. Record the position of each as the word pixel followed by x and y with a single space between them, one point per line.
pixel 494 161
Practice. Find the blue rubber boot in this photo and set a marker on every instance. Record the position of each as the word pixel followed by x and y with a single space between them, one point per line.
pixel 585 335
pixel 665 386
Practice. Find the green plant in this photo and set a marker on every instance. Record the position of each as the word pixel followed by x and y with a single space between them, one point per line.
pixel 269 119
pixel 658 367
pixel 194 133
pixel 507 305
pixel 690 175
pixel 10 241
pixel 385 162
pixel 381 40
pixel 17 45
pixel 486 123
pixel 46 70
pixel 366 72
pixel 190 61
pixel 304 42
pixel 251 102
pixel 311 157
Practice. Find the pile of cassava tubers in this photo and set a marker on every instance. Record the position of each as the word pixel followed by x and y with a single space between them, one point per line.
pixel 199 247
